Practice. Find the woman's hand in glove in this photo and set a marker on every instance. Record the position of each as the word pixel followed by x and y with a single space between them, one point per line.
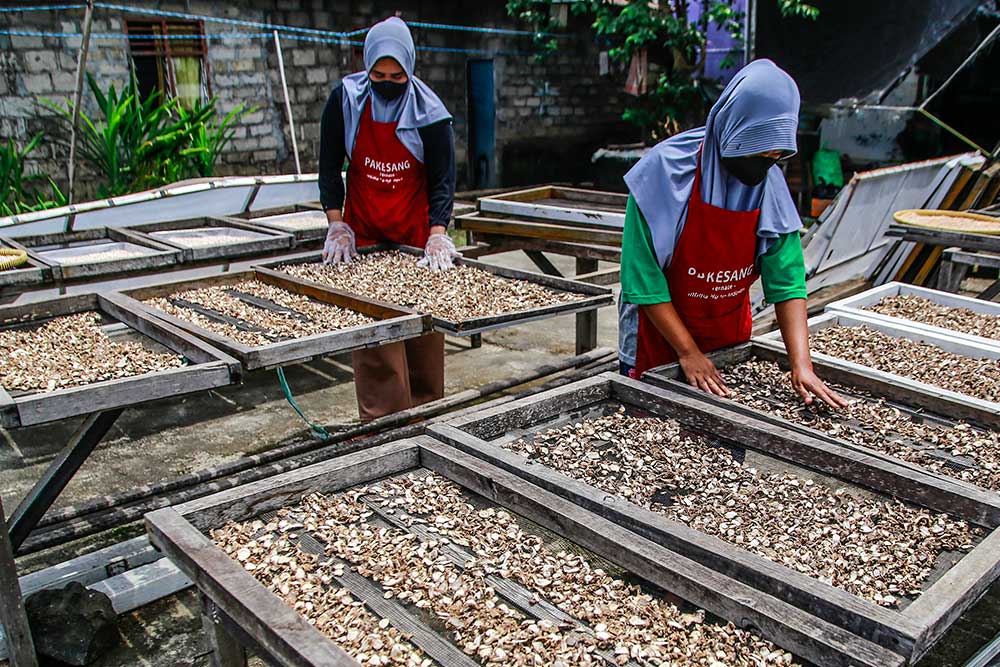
pixel 439 253
pixel 339 245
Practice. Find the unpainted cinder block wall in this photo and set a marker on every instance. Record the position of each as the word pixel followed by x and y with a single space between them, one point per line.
pixel 549 115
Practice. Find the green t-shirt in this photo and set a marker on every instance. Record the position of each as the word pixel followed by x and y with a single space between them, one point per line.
pixel 782 269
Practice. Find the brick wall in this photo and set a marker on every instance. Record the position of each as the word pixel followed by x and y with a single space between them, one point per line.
pixel 549 116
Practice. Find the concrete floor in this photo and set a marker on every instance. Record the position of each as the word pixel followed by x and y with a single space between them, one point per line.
pixel 174 437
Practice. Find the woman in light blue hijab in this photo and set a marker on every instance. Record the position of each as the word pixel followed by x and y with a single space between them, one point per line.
pixel 397 137
pixel 709 212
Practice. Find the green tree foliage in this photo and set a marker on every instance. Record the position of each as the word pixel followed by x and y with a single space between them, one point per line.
pixel 21 192
pixel 676 91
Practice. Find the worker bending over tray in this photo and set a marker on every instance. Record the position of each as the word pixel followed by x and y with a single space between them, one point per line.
pixel 708 212
pixel 397 136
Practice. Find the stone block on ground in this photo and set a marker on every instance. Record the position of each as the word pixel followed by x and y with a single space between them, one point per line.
pixel 73 625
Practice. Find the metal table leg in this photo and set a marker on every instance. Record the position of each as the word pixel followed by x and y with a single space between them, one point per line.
pixel 586 323
pixel 59 473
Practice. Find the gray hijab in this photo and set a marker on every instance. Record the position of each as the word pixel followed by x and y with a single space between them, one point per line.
pixel 757 112
pixel 418 107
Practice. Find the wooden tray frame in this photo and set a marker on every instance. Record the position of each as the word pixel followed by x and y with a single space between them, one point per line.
pixel 946 238
pixel 209 368
pixel 960 406
pixel 276 241
pixel 496 224
pixel 259 219
pixel 856 305
pixel 28 275
pixel 395 324
pixel 909 632
pixel 524 203
pixel 671 378
pixel 248 611
pixel 165 255
pixel 596 297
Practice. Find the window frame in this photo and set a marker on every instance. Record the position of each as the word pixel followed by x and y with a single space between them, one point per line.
pixel 141 44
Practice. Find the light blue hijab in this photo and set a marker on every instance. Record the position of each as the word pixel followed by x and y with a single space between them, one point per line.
pixel 758 111
pixel 418 107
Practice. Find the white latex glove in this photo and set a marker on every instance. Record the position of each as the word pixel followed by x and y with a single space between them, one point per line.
pixel 439 253
pixel 339 245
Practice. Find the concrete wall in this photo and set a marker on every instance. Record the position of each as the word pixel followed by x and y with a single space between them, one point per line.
pixel 549 116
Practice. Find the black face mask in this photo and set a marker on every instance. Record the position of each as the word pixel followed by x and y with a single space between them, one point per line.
pixel 750 170
pixel 388 90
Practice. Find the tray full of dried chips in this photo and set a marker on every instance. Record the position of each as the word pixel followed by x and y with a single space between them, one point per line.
pixel 942 313
pixel 78 355
pixel 267 319
pixel 881 421
pixel 414 553
pixel 963 374
pixel 888 552
pixel 471 298
pixel 96 252
pixel 208 238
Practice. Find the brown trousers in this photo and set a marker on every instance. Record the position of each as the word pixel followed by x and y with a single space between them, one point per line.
pixel 398 376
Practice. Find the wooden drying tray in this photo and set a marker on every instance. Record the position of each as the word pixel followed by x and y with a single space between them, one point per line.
pixel 594 297
pixel 921 394
pixel 908 632
pixel 259 241
pixel 207 368
pixel 499 225
pixel 552 203
pixel 39 247
pixel 241 612
pixel 272 221
pixel 950 221
pixel 920 408
pixel 392 323
pixel 28 274
pixel 945 238
pixel 859 304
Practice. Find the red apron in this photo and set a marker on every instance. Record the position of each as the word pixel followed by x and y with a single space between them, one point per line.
pixel 386 188
pixel 709 276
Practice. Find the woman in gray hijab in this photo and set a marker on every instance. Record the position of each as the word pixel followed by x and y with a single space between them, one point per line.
pixel 397 137
pixel 708 213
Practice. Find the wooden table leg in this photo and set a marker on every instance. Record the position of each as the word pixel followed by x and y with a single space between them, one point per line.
pixel 586 323
pixel 20 646
pixel 226 650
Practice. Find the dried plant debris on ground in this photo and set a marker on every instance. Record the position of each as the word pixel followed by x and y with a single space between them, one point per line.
pixel 871 422
pixel 879 550
pixel 462 293
pixel 71 351
pixel 265 326
pixel 919 309
pixel 918 361
pixel 615 621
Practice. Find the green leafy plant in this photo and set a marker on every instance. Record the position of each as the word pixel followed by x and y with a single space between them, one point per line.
pixel 21 192
pixel 208 140
pixel 137 144
pixel 677 90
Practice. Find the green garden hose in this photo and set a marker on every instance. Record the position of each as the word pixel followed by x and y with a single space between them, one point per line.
pixel 11 258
